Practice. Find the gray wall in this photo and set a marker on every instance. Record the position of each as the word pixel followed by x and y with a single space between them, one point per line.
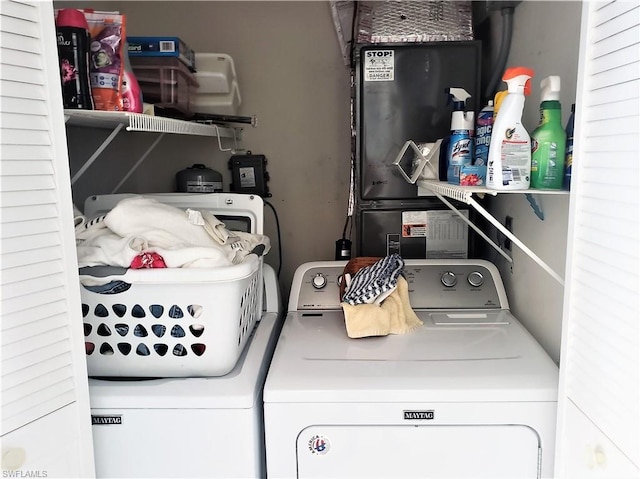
pixel 292 77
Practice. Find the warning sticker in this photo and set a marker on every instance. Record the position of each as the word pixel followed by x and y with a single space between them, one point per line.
pixel 247 177
pixel 379 65
pixel 414 224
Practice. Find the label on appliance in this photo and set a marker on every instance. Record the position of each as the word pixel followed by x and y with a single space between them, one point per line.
pixel 204 186
pixel 319 445
pixel 106 420
pixel 447 234
pixel 420 415
pixel 379 65
pixel 414 224
pixel 393 243
pixel 247 177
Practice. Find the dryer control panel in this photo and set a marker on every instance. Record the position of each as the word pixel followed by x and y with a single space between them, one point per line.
pixel 433 284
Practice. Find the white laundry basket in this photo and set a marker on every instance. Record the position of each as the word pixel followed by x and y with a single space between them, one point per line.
pixel 173 322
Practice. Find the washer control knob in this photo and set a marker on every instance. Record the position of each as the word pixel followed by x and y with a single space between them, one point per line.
pixel 475 279
pixel 319 281
pixel 449 279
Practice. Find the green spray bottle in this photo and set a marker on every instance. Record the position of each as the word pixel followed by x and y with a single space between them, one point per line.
pixel 548 141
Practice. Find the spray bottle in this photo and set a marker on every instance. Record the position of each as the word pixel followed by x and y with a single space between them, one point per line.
pixel 460 150
pixel 497 102
pixel 549 139
pixel 484 125
pixel 509 165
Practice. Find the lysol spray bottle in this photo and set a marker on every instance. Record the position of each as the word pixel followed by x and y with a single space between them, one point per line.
pixel 484 125
pixel 73 37
pixel 548 140
pixel 460 150
pixel 509 165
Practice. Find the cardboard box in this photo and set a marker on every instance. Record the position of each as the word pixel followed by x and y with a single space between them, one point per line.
pixel 162 47
pixel 473 175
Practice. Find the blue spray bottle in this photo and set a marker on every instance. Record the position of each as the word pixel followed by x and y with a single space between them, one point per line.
pixel 460 148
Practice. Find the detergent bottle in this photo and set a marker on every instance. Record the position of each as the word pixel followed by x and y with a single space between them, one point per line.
pixel 74 42
pixel 509 164
pixel 460 148
pixel 568 160
pixel 497 102
pixel 548 140
pixel 131 91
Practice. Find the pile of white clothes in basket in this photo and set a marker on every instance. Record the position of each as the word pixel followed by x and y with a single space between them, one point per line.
pixel 141 232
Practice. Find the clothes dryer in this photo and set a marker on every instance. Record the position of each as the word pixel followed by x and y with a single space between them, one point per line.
pixel 468 394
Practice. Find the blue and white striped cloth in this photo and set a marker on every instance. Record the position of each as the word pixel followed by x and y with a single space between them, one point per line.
pixel 375 280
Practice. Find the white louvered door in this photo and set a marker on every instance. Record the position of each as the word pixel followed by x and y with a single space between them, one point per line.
pixel 45 418
pixel 599 416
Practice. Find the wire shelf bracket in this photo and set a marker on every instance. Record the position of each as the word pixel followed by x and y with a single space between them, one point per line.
pixel 464 194
pixel 117 120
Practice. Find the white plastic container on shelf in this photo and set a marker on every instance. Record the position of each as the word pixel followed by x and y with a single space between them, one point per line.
pixel 216 72
pixel 218 92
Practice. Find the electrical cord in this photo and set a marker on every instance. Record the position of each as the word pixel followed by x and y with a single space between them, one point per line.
pixel 344 230
pixel 275 215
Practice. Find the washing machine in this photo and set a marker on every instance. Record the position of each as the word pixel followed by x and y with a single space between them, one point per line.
pixel 470 394
pixel 193 426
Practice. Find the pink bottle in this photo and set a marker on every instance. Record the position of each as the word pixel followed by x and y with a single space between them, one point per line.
pixel 131 92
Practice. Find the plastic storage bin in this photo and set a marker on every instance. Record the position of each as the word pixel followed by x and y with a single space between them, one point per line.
pixel 218 91
pixel 173 322
pixel 216 72
pixel 165 82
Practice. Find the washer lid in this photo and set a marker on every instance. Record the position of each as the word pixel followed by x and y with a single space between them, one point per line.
pixel 456 336
pixel 455 356
pixel 240 389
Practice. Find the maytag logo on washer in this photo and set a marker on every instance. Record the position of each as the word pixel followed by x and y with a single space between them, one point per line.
pixel 99 420
pixel 421 415
pixel 319 445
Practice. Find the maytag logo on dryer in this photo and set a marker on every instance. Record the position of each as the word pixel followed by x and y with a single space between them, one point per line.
pixel 419 415
pixel 106 420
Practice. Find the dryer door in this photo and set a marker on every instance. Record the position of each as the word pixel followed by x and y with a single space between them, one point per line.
pixel 384 451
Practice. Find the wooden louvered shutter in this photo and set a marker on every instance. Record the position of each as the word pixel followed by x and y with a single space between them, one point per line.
pixel 599 415
pixel 45 416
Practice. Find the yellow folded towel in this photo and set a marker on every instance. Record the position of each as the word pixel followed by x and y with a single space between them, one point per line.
pixel 402 318
pixel 393 316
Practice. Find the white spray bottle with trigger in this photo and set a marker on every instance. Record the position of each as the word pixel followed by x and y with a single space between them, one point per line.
pixel 460 149
pixel 509 163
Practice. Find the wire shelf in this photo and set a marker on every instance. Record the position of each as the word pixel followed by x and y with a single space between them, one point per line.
pixel 144 123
